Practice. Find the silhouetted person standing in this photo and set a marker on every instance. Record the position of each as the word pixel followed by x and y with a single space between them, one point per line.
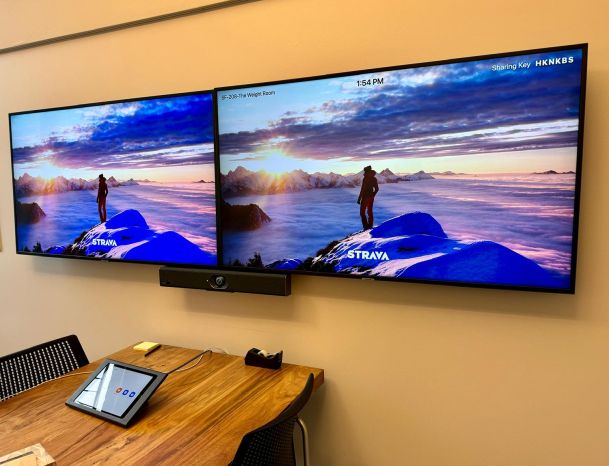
pixel 102 194
pixel 365 200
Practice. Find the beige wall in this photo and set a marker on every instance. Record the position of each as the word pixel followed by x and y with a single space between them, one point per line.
pixel 416 374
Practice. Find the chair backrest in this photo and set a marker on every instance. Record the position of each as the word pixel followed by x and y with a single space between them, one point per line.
pixel 272 444
pixel 25 369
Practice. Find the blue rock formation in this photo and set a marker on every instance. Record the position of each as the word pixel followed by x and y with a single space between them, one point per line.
pixel 127 236
pixel 415 246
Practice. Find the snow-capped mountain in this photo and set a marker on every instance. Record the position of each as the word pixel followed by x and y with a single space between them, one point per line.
pixel 128 236
pixel 414 245
pixel 244 181
pixel 26 184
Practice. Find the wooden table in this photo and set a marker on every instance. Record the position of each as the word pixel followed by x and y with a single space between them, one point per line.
pixel 197 416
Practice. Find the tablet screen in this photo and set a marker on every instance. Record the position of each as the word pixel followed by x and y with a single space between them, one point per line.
pixel 114 390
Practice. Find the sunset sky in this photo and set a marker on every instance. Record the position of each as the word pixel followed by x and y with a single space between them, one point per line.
pixel 475 117
pixel 163 139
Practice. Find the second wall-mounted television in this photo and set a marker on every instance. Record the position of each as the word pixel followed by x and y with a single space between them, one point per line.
pixel 128 180
pixel 463 171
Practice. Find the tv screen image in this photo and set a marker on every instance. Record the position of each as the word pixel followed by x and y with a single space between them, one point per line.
pixel 130 180
pixel 465 171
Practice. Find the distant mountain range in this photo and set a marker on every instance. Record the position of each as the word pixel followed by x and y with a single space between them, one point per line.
pixel 553 172
pixel 446 173
pixel 26 184
pixel 243 181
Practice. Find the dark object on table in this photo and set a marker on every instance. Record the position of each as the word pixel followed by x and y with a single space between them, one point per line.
pixel 260 358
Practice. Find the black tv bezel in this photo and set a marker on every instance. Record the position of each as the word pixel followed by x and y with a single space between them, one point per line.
pixel 209 92
pixel 582 97
pixel 136 405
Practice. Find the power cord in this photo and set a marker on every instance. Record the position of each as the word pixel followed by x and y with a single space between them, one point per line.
pixel 182 368
pixel 71 375
pixel 177 369
pixel 200 356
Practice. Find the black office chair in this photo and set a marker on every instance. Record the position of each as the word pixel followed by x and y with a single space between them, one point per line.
pixel 273 443
pixel 25 369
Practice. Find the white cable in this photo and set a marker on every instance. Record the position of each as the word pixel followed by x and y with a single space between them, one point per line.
pixel 182 368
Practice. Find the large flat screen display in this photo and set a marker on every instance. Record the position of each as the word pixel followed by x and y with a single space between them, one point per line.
pixel 464 171
pixel 130 180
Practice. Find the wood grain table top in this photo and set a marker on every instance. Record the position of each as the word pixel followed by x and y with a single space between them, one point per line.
pixel 197 416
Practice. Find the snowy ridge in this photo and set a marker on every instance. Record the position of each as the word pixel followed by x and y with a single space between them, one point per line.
pixel 415 246
pixel 243 181
pixel 127 236
pixel 26 184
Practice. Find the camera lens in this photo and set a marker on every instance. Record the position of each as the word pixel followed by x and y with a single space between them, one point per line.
pixel 218 282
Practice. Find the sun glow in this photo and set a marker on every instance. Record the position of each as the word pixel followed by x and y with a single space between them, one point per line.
pixel 277 163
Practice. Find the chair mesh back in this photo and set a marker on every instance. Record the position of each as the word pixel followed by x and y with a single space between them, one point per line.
pixel 25 369
pixel 272 444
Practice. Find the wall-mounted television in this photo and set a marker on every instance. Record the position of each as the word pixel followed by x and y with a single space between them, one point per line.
pixel 461 171
pixel 128 180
